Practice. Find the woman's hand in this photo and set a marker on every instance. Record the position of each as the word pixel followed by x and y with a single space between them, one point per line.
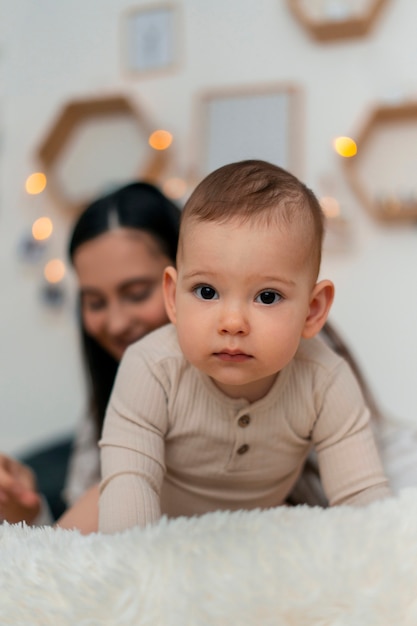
pixel 19 498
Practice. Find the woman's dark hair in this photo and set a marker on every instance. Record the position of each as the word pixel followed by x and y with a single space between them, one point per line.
pixel 137 205
pixel 338 345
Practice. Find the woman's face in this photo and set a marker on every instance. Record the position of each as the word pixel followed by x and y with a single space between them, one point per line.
pixel 120 280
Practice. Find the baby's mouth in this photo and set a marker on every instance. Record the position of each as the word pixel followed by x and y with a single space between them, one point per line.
pixel 233 356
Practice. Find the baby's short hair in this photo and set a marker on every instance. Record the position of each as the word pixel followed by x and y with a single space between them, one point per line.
pixel 257 191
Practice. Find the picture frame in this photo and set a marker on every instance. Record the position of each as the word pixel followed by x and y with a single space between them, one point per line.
pixel 149 38
pixel 261 122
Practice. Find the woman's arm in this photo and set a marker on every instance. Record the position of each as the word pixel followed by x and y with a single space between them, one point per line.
pixel 84 463
pixel 81 489
pixel 83 515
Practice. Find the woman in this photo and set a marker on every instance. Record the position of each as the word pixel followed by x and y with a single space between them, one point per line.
pixel 119 248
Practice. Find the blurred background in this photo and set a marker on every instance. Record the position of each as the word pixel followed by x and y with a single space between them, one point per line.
pixel 325 88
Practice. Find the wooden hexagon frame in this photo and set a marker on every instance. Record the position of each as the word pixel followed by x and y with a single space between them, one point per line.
pixel 392 208
pixel 329 30
pixel 73 114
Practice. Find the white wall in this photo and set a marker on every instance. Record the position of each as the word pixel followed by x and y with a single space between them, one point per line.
pixel 55 51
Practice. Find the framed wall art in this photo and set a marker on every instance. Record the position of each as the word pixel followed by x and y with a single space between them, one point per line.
pixel 261 122
pixel 149 41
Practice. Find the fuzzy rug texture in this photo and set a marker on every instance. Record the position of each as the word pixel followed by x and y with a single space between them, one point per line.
pixel 287 566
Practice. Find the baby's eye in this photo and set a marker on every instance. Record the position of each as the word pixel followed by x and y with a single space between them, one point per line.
pixel 205 292
pixel 268 297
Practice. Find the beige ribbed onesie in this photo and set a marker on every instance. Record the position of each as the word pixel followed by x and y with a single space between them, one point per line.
pixel 173 444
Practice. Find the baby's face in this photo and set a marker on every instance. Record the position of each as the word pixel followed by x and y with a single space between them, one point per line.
pixel 241 299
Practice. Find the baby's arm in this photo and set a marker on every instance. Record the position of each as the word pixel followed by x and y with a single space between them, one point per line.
pixel 349 462
pixel 132 448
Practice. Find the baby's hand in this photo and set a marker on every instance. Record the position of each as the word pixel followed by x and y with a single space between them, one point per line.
pixel 19 499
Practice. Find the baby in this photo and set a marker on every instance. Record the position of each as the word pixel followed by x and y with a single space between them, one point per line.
pixel 220 409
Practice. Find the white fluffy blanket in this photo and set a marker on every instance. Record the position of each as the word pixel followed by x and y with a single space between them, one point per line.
pixel 288 566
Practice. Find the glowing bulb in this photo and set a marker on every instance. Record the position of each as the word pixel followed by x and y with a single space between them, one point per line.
pixel 42 228
pixel 174 188
pixel 54 271
pixel 160 140
pixel 345 146
pixel 330 206
pixel 35 183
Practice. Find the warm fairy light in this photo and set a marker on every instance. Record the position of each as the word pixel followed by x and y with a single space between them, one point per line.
pixel 54 271
pixel 345 146
pixel 35 183
pixel 42 228
pixel 174 188
pixel 330 206
pixel 160 140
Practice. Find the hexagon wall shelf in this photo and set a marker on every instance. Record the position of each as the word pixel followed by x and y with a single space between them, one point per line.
pixel 94 145
pixel 328 20
pixel 383 172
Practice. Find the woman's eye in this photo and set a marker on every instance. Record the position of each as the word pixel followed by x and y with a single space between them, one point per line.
pixel 139 296
pixel 205 292
pixel 93 305
pixel 268 297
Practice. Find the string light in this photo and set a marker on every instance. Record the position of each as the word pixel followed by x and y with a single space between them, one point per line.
pixel 35 183
pixel 160 139
pixel 54 271
pixel 42 228
pixel 174 188
pixel 345 146
pixel 330 206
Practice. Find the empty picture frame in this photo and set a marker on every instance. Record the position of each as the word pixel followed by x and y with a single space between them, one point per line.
pixel 259 122
pixel 149 38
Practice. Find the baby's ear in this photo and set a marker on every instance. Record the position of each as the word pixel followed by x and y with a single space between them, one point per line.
pixel 169 288
pixel 320 303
